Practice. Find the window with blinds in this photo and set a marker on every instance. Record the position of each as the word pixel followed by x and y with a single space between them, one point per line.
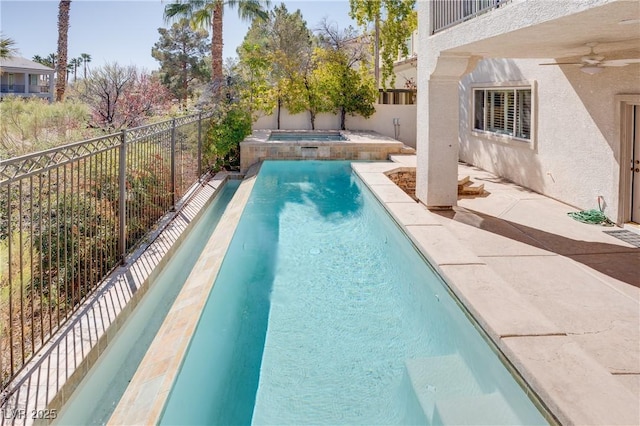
pixel 504 111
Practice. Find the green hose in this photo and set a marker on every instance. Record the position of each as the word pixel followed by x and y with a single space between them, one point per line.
pixel 594 217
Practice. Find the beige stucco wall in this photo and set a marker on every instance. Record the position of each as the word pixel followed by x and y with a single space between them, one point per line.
pixel 575 154
pixel 381 122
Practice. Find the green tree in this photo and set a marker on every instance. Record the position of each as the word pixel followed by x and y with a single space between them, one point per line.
pixel 74 64
pixel 282 47
pixel 289 48
pixel 63 33
pixel 7 47
pixel 181 53
pixel 86 58
pixel 253 70
pixel 394 21
pixel 48 61
pixel 207 14
pixel 51 60
pixel 229 127
pixel 342 73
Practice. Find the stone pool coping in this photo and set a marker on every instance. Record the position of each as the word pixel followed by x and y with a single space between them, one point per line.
pixel 573 386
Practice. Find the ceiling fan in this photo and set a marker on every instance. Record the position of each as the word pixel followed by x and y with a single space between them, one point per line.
pixel 594 64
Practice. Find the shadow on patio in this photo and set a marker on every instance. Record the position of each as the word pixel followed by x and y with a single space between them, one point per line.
pixel 616 261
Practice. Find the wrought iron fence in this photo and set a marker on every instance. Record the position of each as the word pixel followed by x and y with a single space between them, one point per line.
pixel 447 13
pixel 69 215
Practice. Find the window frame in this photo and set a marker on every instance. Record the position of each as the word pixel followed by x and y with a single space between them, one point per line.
pixel 509 139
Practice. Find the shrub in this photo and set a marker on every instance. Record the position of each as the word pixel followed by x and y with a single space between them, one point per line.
pixel 222 145
pixel 32 124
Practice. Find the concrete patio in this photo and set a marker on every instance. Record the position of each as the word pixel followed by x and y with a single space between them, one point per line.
pixel 559 298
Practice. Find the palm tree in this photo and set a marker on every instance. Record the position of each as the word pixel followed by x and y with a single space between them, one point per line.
pixel 69 69
pixel 75 64
pixel 7 47
pixel 51 60
pixel 86 58
pixel 208 14
pixel 63 33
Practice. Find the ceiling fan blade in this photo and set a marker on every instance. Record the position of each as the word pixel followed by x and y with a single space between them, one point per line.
pixel 620 62
pixel 562 63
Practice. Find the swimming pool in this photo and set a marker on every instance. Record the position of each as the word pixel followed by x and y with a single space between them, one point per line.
pixel 323 312
pixel 307 136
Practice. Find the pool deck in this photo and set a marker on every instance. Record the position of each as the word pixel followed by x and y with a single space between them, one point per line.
pixel 559 298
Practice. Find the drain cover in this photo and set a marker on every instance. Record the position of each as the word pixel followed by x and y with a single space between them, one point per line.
pixel 626 236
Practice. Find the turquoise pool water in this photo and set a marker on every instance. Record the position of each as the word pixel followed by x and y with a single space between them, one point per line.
pixel 306 136
pixel 324 313
pixel 97 395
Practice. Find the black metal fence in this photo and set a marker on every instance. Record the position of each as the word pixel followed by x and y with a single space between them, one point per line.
pixel 447 13
pixel 69 215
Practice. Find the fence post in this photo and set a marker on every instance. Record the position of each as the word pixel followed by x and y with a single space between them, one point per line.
pixel 199 145
pixel 122 198
pixel 173 165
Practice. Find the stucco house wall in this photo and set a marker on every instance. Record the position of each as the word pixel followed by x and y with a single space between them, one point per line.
pixel 575 152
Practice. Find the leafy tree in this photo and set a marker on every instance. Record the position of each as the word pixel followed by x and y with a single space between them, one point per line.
pixel 86 58
pixel 280 47
pixel 7 47
pixel 121 97
pixel 222 146
pixel 342 74
pixel 63 33
pixel 277 63
pixel 394 21
pixel 289 49
pixel 208 14
pixel 181 53
pixel 254 70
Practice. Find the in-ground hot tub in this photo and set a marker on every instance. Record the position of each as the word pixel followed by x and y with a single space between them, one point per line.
pixel 306 136
pixel 318 145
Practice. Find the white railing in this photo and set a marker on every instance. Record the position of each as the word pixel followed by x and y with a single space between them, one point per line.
pixel 447 13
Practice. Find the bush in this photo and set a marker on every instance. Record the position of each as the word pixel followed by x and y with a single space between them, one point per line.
pixel 222 145
pixel 32 124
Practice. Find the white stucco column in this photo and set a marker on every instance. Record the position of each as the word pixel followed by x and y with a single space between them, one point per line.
pixel 26 82
pixel 437 128
pixel 51 87
pixel 439 74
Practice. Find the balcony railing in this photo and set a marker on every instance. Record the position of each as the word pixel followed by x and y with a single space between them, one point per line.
pixel 69 215
pixel 37 88
pixel 12 88
pixel 397 96
pixel 447 13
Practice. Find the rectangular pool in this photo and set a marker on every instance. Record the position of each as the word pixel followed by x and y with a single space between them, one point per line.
pixel 323 312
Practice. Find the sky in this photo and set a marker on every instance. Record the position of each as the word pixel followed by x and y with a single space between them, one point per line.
pixel 125 31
